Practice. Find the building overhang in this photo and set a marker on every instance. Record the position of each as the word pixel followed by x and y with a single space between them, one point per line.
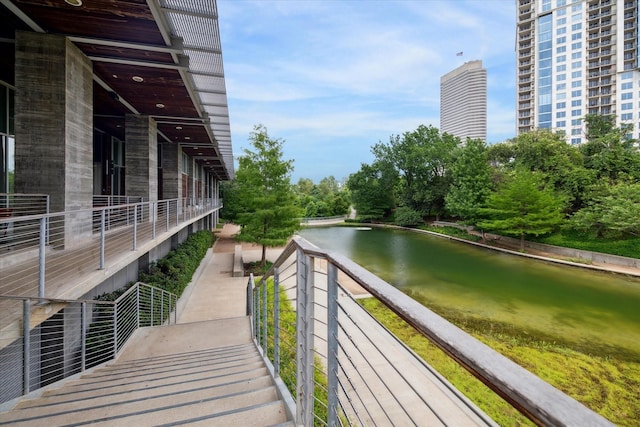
pixel 160 58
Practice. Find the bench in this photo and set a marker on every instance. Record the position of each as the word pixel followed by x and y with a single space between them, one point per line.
pixel 238 267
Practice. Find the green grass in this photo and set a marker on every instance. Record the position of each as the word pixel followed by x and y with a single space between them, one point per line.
pixel 607 385
pixel 628 247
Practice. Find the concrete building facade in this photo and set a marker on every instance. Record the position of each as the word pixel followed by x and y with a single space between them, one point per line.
pixel 576 58
pixel 463 101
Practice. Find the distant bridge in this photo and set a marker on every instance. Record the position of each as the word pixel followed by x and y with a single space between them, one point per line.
pixel 326 220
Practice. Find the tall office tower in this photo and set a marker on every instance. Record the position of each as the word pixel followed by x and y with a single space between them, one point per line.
pixel 463 101
pixel 576 58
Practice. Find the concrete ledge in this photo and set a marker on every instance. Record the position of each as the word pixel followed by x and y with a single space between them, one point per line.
pixel 238 268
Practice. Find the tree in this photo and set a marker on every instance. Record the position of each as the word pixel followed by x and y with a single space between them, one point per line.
pixel 372 190
pixel 421 157
pixel 470 180
pixel 613 214
pixel 523 206
pixel 268 214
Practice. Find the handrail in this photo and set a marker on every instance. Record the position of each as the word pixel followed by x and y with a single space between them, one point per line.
pixel 530 395
pixel 52 339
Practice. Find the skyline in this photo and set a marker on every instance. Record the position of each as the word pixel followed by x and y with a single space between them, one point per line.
pixel 333 78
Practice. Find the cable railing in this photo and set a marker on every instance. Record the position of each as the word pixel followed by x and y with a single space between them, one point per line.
pixel 55 338
pixel 18 204
pixel 344 368
pixel 41 255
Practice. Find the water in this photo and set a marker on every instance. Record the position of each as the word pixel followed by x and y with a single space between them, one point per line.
pixel 595 310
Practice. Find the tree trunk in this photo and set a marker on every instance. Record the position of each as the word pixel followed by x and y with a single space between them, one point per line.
pixel 521 242
pixel 263 261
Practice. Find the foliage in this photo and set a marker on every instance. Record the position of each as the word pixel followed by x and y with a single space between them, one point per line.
pixel 629 247
pixel 267 213
pixel 173 272
pixel 523 207
pixel 605 384
pixel 327 198
pixel 421 158
pixel 470 180
pixel 406 217
pixel 372 190
pixel 613 214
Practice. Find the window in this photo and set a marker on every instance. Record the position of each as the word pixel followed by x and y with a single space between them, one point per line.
pixel 576 8
pixel 561 49
pixel 627 95
pixel 561 86
pixel 576 113
pixel 561 124
pixel 576 131
pixel 561 114
pixel 575 141
pixel 561 68
pixel 577 64
pixel 626 116
pixel 626 76
pixel 561 3
pixel 577 45
pixel 561 30
pixel 576 74
pixel 576 55
pixel 627 85
pixel 576 83
pixel 627 106
pixel 562 77
pixel 576 103
pixel 561 40
pixel 561 105
pixel 576 122
pixel 576 93
pixel 561 21
pixel 576 36
pixel 561 95
pixel 575 27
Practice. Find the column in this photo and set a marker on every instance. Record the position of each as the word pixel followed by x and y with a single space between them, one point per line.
pixel 141 157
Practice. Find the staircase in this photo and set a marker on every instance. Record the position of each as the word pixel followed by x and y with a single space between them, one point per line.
pixel 202 373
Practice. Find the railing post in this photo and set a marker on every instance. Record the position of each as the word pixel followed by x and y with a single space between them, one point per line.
pixel 151 304
pixel 153 207
pixel 41 264
pixel 276 322
pixel 166 213
pixel 161 308
pixel 258 314
pixel 250 311
pixel 83 335
pixel 175 310
pixel 138 304
pixel 177 213
pixel 115 330
pixel 26 345
pixel 47 207
pixel 102 237
pixel 304 338
pixel 332 345
pixel 264 315
pixel 135 227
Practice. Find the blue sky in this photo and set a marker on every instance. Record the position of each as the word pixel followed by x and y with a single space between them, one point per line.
pixel 334 77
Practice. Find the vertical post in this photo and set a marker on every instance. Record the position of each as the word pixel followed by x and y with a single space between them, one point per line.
pixel 47 207
pixel 276 322
pixel 265 316
pixel 161 308
pixel 177 212
pixel 175 310
pixel 115 330
pixel 135 227
pixel 304 338
pixel 332 345
pixel 151 306
pixel 250 312
pixel 154 210
pixel 138 304
pixel 102 237
pixel 258 314
pixel 41 264
pixel 166 213
pixel 26 346
pixel 83 335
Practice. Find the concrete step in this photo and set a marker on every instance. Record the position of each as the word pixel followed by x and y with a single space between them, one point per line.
pixel 217 381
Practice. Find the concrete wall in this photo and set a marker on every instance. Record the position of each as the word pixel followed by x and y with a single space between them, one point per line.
pixel 171 177
pixel 141 157
pixel 54 121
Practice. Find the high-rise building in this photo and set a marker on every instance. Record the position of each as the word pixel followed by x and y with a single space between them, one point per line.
pixel 463 101
pixel 576 58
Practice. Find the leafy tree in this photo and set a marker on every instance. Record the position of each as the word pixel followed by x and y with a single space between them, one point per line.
pixel 608 151
pixel 523 206
pixel 372 190
pixel 421 157
pixel 470 180
pixel 324 199
pixel 614 214
pixel 268 214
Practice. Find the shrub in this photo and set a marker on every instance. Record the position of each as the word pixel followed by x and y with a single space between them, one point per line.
pixel 407 217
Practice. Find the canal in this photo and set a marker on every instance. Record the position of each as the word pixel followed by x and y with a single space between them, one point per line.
pixel 578 306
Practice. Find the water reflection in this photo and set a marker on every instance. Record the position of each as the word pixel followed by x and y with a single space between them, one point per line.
pixel 570 303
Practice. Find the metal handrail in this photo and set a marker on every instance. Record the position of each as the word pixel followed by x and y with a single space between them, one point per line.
pixel 84 241
pixel 57 338
pixel 530 395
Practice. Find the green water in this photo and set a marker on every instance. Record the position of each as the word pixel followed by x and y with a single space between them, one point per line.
pixel 592 309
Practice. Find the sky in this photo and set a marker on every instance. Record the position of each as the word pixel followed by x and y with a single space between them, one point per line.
pixel 331 78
